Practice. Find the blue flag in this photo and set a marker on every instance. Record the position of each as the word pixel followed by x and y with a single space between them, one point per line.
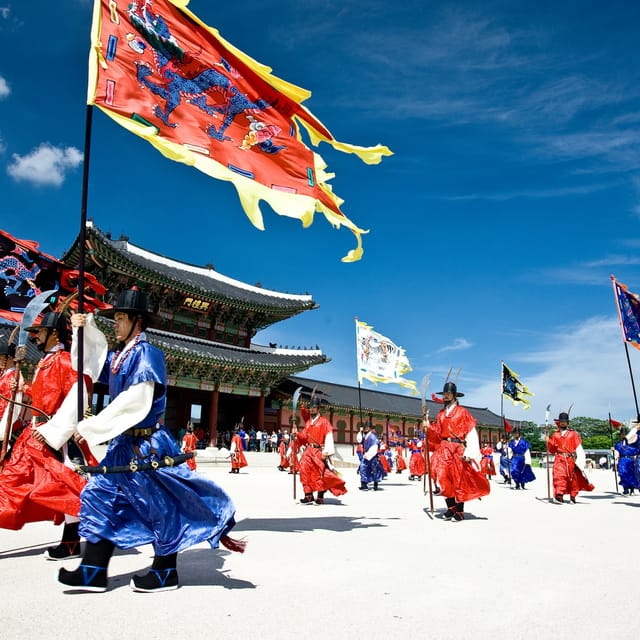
pixel 628 312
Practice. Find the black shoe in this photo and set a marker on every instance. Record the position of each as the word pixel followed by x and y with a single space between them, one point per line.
pixel 85 578
pixel 573 499
pixel 363 487
pixel 307 499
pixel 155 580
pixel 448 514
pixel 559 498
pixel 319 500
pixel 66 550
pixel 375 486
pixel 458 516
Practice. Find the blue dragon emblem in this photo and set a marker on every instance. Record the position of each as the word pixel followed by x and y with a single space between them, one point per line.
pixel 210 90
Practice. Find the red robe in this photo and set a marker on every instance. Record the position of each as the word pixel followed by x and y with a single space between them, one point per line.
pixel 567 478
pixel 401 465
pixel 417 463
pixel 314 472
pixel 282 450
pixel 238 459
pixel 189 444
pixel 486 464
pixel 34 485
pixel 456 477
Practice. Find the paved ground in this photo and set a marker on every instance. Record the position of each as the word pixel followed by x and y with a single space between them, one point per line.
pixel 371 565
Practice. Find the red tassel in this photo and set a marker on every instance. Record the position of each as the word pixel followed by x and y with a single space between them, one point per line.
pixel 435 398
pixel 234 545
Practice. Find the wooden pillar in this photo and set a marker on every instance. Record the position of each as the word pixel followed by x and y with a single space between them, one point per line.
pixel 213 418
pixel 261 411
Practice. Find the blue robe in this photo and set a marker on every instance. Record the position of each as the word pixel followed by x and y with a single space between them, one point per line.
pixel 520 472
pixel 371 470
pixel 172 508
pixel 627 470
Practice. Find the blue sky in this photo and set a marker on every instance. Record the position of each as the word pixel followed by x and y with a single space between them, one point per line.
pixel 512 195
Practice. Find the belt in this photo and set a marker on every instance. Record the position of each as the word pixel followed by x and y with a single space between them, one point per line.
pixel 315 446
pixel 133 467
pixel 457 440
pixel 138 432
pixel 566 455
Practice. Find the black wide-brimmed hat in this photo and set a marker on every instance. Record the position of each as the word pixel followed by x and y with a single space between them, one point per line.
pixel 51 320
pixel 450 387
pixel 131 301
pixel 563 417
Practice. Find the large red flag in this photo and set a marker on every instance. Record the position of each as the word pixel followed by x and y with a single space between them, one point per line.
pixel 159 71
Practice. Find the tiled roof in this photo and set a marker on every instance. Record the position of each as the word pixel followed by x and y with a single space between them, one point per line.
pixel 205 280
pixel 381 402
pixel 255 356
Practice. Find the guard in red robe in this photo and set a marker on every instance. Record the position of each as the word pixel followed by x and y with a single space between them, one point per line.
pixel 38 483
pixel 238 459
pixel 316 472
pixel 282 452
pixel 189 444
pixel 569 463
pixel 487 465
pixel 454 462
pixel 417 463
pixel 7 376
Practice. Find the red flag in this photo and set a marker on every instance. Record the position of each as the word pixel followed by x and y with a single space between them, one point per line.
pixel 507 426
pixel 25 272
pixel 615 423
pixel 163 74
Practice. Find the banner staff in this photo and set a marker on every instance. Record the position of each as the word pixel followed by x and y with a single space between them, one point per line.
pixel 546 432
pixel 613 466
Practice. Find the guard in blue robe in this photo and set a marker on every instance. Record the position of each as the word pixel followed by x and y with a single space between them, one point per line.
pixel 371 469
pixel 626 463
pixel 520 457
pixel 140 497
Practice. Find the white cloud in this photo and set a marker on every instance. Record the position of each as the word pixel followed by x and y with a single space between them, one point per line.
pixel 4 12
pixel 584 364
pixel 458 345
pixel 47 165
pixel 4 88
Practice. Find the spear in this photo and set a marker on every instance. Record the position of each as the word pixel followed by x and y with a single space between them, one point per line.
pixel 294 456
pixel 546 432
pixel 425 419
pixel 30 313
pixel 613 466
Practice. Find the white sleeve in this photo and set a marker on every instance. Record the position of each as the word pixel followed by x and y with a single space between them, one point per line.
pixel 371 452
pixel 632 436
pixel 527 456
pixel 125 411
pixel 233 446
pixel 472 449
pixel 581 458
pixel 329 447
pixel 95 349
pixel 5 415
pixel 65 420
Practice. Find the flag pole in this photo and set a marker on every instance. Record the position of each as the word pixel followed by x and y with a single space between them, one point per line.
pixel 613 466
pixel 82 256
